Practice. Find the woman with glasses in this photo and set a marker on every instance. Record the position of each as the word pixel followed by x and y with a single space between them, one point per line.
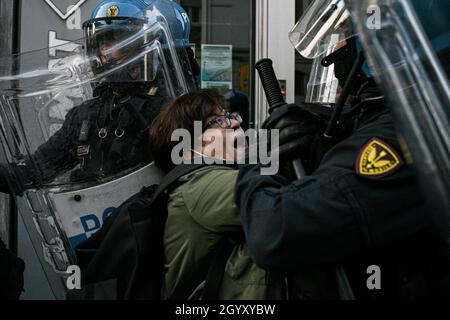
pixel 201 211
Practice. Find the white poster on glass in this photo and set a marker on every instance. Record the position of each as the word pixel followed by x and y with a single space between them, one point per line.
pixel 217 66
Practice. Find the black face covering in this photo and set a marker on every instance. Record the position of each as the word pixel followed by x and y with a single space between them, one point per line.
pixel 121 88
pixel 129 73
pixel 343 59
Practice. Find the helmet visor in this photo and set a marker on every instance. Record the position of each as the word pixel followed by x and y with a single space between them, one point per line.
pixel 324 25
pixel 323 87
pixel 102 34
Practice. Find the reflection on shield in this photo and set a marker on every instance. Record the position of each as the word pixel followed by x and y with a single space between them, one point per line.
pixel 74 135
pixel 404 56
pixel 323 86
pixel 5 219
pixel 324 25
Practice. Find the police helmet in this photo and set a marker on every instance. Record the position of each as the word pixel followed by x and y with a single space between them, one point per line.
pixel 115 21
pixel 176 17
pixel 434 17
pixel 112 22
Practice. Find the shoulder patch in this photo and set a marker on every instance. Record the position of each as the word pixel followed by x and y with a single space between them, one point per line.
pixel 377 159
pixel 152 92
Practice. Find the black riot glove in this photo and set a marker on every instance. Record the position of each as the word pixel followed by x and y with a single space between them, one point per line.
pixel 11 274
pixel 4 186
pixel 297 128
pixel 14 179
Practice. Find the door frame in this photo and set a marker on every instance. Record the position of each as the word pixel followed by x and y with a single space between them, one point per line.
pixel 273 21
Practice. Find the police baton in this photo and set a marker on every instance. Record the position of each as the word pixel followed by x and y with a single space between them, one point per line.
pixel 275 98
pixel 273 94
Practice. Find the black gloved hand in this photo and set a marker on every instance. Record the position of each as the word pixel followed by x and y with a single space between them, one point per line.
pixel 298 129
pixel 14 179
pixel 11 274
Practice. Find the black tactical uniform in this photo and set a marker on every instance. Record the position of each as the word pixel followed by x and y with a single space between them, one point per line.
pixel 11 274
pixel 102 136
pixel 359 206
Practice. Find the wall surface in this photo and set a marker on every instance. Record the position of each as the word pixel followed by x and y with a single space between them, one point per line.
pixel 43 26
pixel 274 20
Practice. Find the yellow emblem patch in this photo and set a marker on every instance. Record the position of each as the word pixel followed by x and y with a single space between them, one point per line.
pixel 113 11
pixel 152 91
pixel 377 159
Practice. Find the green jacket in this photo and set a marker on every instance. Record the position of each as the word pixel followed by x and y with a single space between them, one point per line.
pixel 201 213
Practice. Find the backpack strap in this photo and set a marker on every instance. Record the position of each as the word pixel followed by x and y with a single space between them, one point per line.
pixel 168 182
pixel 216 270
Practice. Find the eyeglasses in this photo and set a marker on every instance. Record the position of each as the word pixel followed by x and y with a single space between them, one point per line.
pixel 224 121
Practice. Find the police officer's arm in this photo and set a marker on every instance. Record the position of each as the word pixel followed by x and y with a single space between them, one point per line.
pixel 59 152
pixel 49 160
pixel 305 222
pixel 11 274
pixel 331 215
pixel 4 185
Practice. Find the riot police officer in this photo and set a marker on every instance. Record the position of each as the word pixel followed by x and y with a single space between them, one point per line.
pixel 359 205
pixel 107 134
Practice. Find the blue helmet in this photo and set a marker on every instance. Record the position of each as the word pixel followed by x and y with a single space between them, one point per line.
pixel 433 16
pixel 184 21
pixel 113 21
pixel 435 21
pixel 119 9
pixel 436 24
pixel 176 17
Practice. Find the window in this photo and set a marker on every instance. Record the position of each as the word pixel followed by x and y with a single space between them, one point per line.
pixel 302 65
pixel 222 34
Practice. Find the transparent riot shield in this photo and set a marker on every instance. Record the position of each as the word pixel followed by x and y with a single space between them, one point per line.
pixel 5 220
pixel 74 129
pixel 5 215
pixel 412 78
pixel 324 24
